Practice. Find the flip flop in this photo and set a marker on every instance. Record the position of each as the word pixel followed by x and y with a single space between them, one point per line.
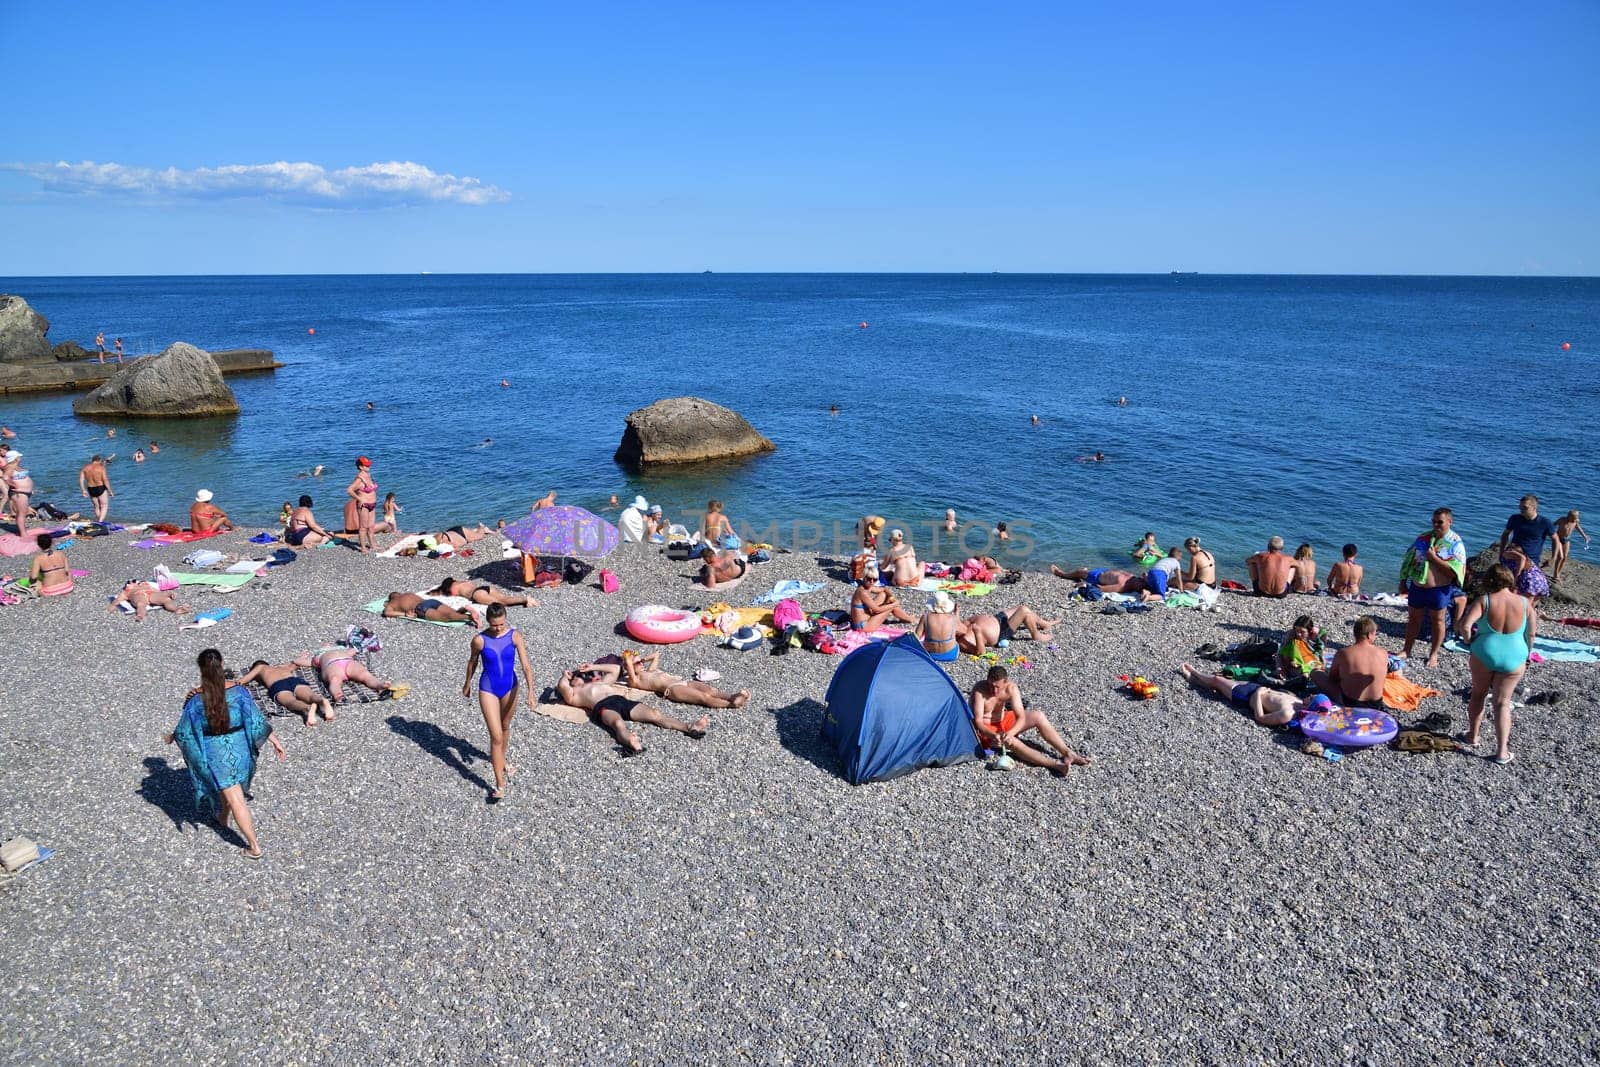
pixel 1507 758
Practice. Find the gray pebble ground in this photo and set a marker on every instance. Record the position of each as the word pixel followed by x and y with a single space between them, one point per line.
pixel 1203 893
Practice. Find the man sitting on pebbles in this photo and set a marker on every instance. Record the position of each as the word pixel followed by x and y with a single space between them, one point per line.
pixel 607 703
pixel 643 673
pixel 1268 707
pixel 1356 676
pixel 289 690
pixel 413 606
pixel 999 717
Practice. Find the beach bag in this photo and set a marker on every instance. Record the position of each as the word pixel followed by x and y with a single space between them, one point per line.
pixel 576 572
pixel 858 566
pixel 545 579
pixel 362 639
pixel 608 581
pixel 743 639
pixel 788 613
pixel 680 550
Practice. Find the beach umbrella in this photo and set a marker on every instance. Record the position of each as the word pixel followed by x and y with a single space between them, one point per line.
pixel 562 531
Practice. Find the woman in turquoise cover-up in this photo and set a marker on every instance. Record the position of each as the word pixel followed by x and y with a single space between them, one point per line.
pixel 220 735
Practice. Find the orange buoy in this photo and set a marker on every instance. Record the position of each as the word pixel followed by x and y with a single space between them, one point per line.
pixel 312 330
pixel 1566 346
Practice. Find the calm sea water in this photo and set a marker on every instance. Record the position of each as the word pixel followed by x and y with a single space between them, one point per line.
pixel 1323 409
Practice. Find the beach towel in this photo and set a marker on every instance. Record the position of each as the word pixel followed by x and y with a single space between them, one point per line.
pixel 263 538
pixel 394 550
pixel 731 619
pixel 850 640
pixel 1414 567
pixel 210 617
pixel 12 545
pixel 219 582
pixel 1549 648
pixel 248 566
pixel 963 588
pixel 1387 600
pixel 1402 694
pixel 788 589
pixel 183 537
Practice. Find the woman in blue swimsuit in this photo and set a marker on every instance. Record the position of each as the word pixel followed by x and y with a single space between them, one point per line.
pixel 499 647
pixel 1502 627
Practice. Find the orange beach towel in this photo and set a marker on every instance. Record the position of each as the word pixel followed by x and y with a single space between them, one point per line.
pixel 1401 694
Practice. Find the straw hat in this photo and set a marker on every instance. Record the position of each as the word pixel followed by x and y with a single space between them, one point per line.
pixel 943 604
pixel 203 497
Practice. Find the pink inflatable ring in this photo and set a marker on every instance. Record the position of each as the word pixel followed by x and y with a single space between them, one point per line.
pixel 657 624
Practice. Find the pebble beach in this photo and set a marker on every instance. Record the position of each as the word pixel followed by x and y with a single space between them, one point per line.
pixel 1204 892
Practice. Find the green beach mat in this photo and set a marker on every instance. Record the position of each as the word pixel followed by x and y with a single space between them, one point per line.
pixel 376 607
pixel 219 581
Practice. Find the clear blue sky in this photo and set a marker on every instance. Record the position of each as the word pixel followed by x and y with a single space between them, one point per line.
pixel 1457 138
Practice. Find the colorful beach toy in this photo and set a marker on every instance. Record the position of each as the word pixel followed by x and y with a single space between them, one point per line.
pixel 1349 727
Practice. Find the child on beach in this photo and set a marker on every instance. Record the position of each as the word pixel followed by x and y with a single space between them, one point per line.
pixel 1566 526
pixel 391 512
pixel 285 512
pixel 1147 551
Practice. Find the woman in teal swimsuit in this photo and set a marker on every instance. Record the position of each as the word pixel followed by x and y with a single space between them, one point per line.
pixel 1502 626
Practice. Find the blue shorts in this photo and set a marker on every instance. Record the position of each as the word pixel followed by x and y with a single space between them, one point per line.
pixel 1156 582
pixel 1094 576
pixel 1243 691
pixel 1429 598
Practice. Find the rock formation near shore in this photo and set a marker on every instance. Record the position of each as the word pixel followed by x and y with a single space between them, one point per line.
pixel 182 382
pixel 22 332
pixel 686 429
pixel 70 352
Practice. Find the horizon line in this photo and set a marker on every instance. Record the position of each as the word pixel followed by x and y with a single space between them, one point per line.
pixel 810 273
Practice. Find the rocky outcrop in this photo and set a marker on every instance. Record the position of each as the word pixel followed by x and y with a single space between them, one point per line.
pixel 686 429
pixel 22 331
pixel 182 382
pixel 70 352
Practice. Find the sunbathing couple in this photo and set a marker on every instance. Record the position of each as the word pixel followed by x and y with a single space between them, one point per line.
pixel 1151 586
pixel 1355 678
pixel 601 689
pixel 336 665
pixel 945 634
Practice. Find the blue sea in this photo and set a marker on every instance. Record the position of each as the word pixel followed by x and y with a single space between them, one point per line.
pixel 1323 409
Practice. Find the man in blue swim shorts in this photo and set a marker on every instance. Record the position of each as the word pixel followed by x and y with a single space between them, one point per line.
pixel 1268 707
pixel 1109 580
pixel 1431 577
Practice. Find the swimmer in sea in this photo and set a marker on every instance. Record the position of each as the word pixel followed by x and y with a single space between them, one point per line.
pixel 504 384
pixel 111 432
pixel 154 448
pixel 949 520
pixel 549 501
pixel 834 410
pixel 370 407
pixel 138 455
pixel 1036 420
pixel 485 443
pixel 1098 457
pixel 1122 401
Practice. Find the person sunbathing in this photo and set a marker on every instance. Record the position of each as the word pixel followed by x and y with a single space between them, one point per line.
pixel 1109 580
pixel 643 672
pixel 899 562
pixel 287 689
pixel 982 632
pixel 414 606
pixel 609 705
pixel 1355 679
pixel 999 718
pixel 143 597
pixel 337 664
pixel 459 537
pixel 481 594
pixel 720 568
pixel 872 606
pixel 1268 707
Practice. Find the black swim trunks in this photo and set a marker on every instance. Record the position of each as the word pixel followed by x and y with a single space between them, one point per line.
pixel 1006 633
pixel 619 704
pixel 96 490
pixel 422 609
pixel 1373 704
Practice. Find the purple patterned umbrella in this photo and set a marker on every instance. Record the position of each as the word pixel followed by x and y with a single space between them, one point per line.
pixel 562 531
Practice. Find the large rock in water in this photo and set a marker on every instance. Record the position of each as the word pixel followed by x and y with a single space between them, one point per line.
pixel 686 429
pixel 22 331
pixel 182 382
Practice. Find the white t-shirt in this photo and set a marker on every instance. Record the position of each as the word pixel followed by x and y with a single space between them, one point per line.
pixel 631 524
pixel 1170 565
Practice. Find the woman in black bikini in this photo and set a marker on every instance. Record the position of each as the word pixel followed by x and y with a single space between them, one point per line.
pixel 302 529
pixel 481 594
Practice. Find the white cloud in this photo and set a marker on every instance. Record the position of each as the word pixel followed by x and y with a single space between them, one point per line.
pixel 374 185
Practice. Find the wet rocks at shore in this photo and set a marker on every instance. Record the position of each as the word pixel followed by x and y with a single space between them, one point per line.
pixel 22 332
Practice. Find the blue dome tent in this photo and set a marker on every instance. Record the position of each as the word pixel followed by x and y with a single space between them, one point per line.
pixel 892 710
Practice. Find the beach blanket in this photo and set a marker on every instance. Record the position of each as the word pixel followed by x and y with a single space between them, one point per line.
pixel 1402 694
pixel 850 640
pixel 394 550
pixel 207 618
pixel 222 583
pixel 182 537
pixel 956 586
pixel 726 622
pixel 1549 648
pixel 457 602
pixel 789 587
pixel 12 545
